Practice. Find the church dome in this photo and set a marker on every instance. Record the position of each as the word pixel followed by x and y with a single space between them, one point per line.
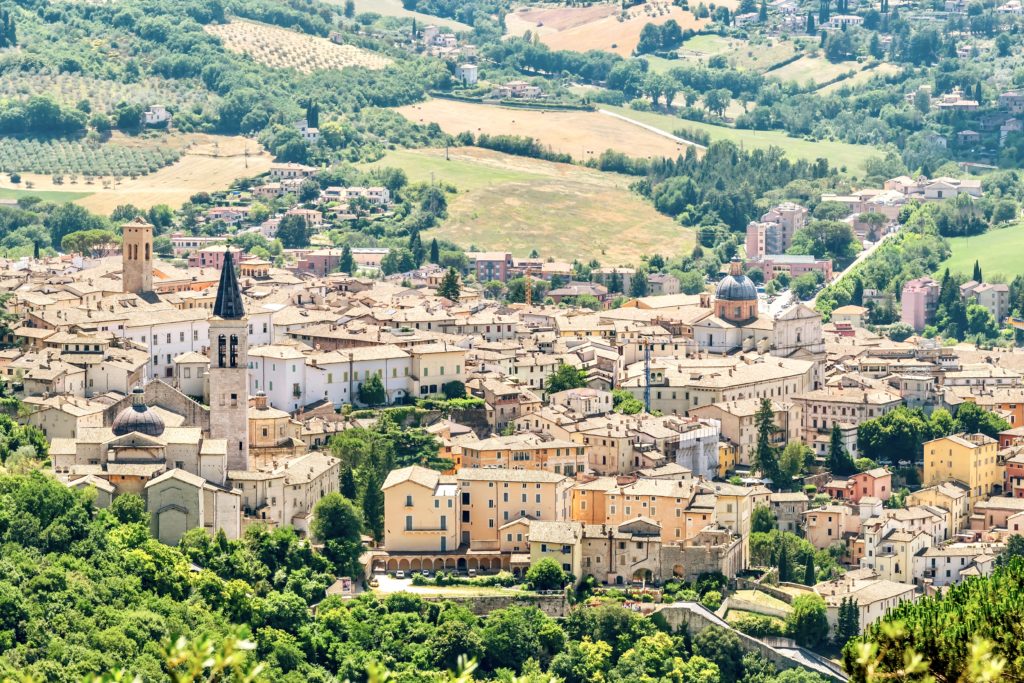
pixel 138 418
pixel 736 286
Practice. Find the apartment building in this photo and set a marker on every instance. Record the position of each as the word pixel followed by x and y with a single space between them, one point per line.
pixel 966 458
pixel 526 451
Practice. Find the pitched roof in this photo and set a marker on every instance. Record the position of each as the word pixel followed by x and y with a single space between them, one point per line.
pixel 229 296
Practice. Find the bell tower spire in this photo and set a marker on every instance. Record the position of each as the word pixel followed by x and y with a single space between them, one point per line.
pixel 229 373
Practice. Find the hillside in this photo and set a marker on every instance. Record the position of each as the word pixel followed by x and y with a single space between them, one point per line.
pixel 520 205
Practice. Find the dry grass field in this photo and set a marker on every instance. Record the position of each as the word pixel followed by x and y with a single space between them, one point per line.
pixel 280 48
pixel 580 134
pixel 816 69
pixel 208 163
pixel 598 26
pixel 863 76
pixel 563 211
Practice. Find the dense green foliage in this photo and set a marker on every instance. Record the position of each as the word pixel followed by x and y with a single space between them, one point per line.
pixel 972 626
pixel 899 434
pixel 85 591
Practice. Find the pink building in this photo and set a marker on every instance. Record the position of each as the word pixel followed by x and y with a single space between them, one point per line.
pixel 919 299
pixel 793 265
pixel 1015 474
pixel 212 257
pixel 829 524
pixel 876 483
pixel 773 234
pixel 319 262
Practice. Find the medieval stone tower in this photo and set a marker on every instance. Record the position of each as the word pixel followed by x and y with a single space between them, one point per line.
pixel 137 257
pixel 229 374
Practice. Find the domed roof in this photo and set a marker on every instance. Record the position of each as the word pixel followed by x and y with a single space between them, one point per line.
pixel 736 286
pixel 138 418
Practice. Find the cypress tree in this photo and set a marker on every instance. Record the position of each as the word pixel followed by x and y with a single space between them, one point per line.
pixel 346 264
pixel 809 571
pixel 977 272
pixel 373 504
pixel 449 287
pixel 348 485
pixel 435 251
pixel 766 456
pixel 784 569
pixel 810 24
pixel 857 298
pixel 839 461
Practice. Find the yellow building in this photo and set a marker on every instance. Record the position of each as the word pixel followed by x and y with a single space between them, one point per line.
pixel 493 497
pixel 526 451
pixel 947 496
pixel 728 458
pixel 682 508
pixel 559 541
pixel 967 458
pixel 421 511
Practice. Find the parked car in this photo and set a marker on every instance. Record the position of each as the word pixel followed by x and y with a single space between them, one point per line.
pixel 426 573
pixel 472 573
pixel 374 583
pixel 399 574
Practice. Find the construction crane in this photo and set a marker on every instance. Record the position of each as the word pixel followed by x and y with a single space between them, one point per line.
pixel 647 375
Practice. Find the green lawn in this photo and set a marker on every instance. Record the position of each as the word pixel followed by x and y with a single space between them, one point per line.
pixel 563 211
pixel 739 53
pixel 48 195
pixel 998 251
pixel 840 154
pixel 708 43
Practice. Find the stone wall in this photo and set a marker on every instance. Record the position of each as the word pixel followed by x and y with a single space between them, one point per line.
pixel 695 618
pixel 733 602
pixel 697 560
pixel 475 419
pixel 551 605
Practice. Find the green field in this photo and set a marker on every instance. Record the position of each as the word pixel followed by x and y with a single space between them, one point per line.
pixel 564 212
pixel 739 53
pixel 840 154
pixel 998 251
pixel 48 195
pixel 393 8
pixel 812 69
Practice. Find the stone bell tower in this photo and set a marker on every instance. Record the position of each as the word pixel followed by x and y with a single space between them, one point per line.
pixel 229 373
pixel 137 257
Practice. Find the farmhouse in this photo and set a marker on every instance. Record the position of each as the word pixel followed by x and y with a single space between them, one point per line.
pixel 156 115
pixel 288 171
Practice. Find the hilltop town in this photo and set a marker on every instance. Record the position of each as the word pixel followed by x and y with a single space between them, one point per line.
pixel 639 445
pixel 561 341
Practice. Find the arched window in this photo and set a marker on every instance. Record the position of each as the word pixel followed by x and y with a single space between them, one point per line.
pixel 147 251
pixel 221 351
pixel 234 350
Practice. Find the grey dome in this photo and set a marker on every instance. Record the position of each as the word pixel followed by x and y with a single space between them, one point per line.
pixel 736 288
pixel 138 418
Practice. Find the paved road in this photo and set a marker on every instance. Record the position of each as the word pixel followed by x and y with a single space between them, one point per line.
pixel 857 261
pixel 657 131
